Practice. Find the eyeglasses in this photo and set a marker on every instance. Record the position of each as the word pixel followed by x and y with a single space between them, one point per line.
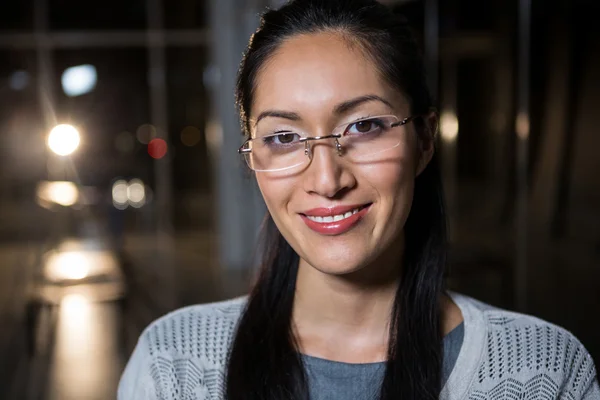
pixel 361 140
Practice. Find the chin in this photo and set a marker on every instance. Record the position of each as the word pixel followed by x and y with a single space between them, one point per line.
pixel 338 264
pixel 337 270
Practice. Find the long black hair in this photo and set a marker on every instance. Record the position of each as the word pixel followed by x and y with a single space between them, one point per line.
pixel 264 361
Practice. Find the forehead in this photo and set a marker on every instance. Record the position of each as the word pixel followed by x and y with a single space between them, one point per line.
pixel 312 73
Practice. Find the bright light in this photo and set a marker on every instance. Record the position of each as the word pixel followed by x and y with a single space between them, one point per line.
pixel 71 265
pixel 449 126
pixel 136 193
pixel 120 194
pixel 75 326
pixel 62 193
pixel 63 139
pixel 79 80
pixel 75 304
pixel 132 193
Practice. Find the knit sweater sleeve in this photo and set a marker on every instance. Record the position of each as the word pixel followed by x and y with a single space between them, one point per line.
pixel 583 378
pixel 183 355
pixel 136 382
pixel 527 358
pixel 593 391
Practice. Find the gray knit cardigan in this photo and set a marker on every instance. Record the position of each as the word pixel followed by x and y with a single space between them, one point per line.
pixel 504 356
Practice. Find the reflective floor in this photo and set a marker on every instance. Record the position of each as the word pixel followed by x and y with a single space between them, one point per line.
pixel 74 347
pixel 86 355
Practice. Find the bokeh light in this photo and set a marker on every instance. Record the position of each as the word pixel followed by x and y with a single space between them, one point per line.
pixel 449 126
pixel 157 148
pixel 71 265
pixel 145 133
pixel 190 136
pixel 76 304
pixel 522 126
pixel 79 80
pixel 119 194
pixel 19 80
pixel 63 139
pixel 62 193
pixel 136 193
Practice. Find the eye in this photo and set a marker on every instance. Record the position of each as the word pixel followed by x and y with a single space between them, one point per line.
pixel 281 138
pixel 365 126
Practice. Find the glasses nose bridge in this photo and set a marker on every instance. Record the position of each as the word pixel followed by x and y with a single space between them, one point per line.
pixel 308 150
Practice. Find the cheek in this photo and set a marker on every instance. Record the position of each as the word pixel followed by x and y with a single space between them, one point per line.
pixel 394 184
pixel 276 194
pixel 392 179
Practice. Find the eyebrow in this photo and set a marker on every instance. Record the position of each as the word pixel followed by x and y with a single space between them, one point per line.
pixel 349 105
pixel 339 109
pixel 292 116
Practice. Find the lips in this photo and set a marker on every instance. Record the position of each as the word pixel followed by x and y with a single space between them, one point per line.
pixel 334 220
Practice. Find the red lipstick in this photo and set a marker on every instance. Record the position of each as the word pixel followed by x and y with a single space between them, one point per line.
pixel 321 221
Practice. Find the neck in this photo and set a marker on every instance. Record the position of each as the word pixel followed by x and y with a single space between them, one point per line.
pixel 341 301
pixel 346 311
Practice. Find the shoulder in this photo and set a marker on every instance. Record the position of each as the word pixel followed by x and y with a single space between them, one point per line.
pixel 202 331
pixel 191 342
pixel 224 312
pixel 530 354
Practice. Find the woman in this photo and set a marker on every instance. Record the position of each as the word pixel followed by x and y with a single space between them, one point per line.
pixel 350 301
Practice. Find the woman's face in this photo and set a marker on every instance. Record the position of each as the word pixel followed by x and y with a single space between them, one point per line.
pixel 308 77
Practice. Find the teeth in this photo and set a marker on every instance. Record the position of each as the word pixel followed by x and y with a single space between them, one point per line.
pixel 333 218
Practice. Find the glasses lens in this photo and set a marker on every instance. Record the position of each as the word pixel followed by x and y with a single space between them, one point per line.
pixel 276 152
pixel 367 139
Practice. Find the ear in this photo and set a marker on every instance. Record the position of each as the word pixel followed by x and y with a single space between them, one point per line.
pixel 426 141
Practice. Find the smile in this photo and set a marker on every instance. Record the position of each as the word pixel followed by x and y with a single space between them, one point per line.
pixel 336 220
pixel 333 218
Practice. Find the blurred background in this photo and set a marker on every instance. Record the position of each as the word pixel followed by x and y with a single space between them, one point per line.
pixel 122 196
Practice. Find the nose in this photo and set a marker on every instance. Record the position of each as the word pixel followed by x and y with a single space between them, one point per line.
pixel 327 175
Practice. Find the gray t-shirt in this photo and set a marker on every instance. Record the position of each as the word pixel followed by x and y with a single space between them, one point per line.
pixel 333 380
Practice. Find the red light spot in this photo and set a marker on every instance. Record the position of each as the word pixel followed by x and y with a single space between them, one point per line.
pixel 157 148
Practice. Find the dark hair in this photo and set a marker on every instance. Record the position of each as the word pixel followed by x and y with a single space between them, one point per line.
pixel 264 362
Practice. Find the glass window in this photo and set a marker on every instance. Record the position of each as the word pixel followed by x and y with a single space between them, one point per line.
pixel 16 15
pixel 109 115
pixel 185 14
pixel 22 142
pixel 97 15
